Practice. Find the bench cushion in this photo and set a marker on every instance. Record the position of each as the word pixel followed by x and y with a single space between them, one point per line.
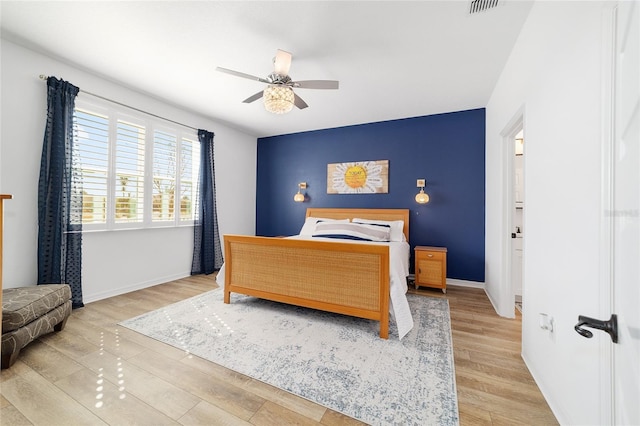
pixel 20 306
pixel 15 340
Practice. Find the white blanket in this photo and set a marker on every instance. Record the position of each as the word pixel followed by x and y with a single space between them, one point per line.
pixel 398 271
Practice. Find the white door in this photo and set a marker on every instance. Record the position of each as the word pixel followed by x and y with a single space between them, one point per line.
pixel 620 401
pixel 626 216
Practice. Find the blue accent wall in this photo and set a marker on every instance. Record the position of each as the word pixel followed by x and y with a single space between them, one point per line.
pixel 445 149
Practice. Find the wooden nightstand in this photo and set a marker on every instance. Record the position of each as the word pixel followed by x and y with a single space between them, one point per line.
pixel 431 267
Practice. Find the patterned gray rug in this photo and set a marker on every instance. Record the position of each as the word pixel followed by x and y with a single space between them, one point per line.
pixel 337 361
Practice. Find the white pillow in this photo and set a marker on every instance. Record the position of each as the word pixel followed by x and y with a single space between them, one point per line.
pixel 396 226
pixel 352 231
pixel 309 226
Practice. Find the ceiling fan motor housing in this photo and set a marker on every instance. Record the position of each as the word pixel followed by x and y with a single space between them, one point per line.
pixel 280 79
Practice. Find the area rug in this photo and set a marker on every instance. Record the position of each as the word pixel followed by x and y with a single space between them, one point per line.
pixel 336 361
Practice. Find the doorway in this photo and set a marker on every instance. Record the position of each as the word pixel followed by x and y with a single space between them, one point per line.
pixel 513 242
pixel 517 219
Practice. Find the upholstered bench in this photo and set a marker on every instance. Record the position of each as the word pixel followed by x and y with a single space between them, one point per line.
pixel 30 312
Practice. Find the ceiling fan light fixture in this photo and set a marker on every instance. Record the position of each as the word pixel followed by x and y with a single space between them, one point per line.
pixel 278 99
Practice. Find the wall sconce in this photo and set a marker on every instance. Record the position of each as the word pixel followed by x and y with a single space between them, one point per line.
pixel 421 197
pixel 299 197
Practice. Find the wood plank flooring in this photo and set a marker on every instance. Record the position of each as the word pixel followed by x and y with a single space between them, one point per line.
pixel 95 372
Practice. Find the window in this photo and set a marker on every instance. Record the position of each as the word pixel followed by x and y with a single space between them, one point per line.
pixel 136 172
pixel 92 149
pixel 175 171
pixel 190 155
pixel 129 172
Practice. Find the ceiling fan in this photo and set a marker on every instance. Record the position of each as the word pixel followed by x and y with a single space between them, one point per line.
pixel 279 97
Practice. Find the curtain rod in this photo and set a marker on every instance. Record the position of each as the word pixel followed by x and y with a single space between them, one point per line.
pixel 44 77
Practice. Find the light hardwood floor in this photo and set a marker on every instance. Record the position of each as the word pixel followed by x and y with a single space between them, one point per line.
pixel 96 372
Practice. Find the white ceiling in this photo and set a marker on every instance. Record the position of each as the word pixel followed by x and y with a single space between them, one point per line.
pixel 393 59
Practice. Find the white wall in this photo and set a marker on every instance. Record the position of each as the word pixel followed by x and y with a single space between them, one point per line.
pixel 113 262
pixel 554 76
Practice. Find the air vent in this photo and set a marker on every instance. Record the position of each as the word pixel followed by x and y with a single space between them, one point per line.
pixel 477 6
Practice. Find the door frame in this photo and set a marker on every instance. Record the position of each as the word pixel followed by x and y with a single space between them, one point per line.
pixel 606 278
pixel 508 134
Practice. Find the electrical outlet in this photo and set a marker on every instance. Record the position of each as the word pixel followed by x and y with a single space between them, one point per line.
pixel 546 322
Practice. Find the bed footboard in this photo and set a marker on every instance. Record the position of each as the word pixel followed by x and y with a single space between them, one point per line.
pixel 345 278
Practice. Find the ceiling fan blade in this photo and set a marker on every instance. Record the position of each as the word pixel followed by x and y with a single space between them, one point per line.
pixel 298 102
pixel 253 97
pixel 241 74
pixel 317 84
pixel 282 62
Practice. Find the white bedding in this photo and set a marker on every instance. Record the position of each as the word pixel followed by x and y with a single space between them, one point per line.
pixel 398 271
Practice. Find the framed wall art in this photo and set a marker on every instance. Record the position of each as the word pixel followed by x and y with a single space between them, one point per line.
pixel 358 177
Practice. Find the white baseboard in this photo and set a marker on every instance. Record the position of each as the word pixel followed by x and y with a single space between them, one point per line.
pixel 494 304
pixel 556 409
pixel 455 282
pixel 88 298
pixel 464 283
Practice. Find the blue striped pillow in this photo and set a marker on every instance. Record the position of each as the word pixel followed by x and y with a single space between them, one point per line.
pixel 397 227
pixel 352 231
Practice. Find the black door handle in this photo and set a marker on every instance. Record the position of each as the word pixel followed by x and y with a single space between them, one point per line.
pixel 610 326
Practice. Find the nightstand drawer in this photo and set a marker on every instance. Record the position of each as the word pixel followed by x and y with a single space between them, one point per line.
pixel 438 255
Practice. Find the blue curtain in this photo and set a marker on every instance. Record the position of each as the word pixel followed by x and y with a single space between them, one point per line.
pixel 207 253
pixel 60 195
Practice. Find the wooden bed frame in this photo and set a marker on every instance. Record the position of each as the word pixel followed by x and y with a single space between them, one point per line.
pixel 345 278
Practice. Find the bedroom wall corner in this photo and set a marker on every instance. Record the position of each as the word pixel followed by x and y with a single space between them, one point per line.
pixel 119 261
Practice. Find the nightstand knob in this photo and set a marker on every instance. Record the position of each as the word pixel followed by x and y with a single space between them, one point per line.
pixel 429 255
